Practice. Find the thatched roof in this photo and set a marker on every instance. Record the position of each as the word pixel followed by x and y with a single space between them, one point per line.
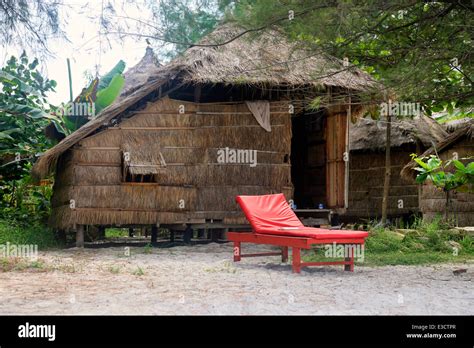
pixel 454 125
pixel 267 59
pixel 138 75
pixel 368 134
pixel 467 131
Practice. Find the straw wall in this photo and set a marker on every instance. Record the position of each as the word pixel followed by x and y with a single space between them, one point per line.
pixel 191 185
pixel 366 180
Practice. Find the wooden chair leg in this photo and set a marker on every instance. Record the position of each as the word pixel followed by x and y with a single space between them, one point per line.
pixel 284 254
pixel 237 251
pixel 350 258
pixel 296 260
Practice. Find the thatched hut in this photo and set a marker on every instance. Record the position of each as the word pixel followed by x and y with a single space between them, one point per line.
pixel 367 165
pixel 459 144
pixel 162 154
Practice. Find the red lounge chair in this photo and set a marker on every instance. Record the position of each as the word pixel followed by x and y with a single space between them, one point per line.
pixel 273 222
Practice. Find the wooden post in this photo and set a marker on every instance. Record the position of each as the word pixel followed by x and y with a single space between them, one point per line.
pixel 224 234
pixel 200 233
pixel 296 260
pixel 188 232
pixel 350 258
pixel 237 251
pixel 80 236
pixel 172 236
pixel 101 232
pixel 154 233
pixel 284 254
pixel 214 235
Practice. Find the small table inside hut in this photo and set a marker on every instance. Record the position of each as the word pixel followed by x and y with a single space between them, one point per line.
pixel 314 217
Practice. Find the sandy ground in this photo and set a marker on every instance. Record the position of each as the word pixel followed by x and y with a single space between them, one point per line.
pixel 202 279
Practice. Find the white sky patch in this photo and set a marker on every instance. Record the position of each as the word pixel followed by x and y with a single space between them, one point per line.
pixel 87 50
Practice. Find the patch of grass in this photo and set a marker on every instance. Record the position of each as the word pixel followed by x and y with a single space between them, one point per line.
pixel 417 258
pixel 10 264
pixel 37 264
pixel 148 249
pixel 139 271
pixel 114 269
pixel 227 267
pixel 20 233
pixel 67 268
pixel 425 243
pixel 116 232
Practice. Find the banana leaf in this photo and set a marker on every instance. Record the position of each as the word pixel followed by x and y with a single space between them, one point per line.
pixel 106 80
pixel 106 96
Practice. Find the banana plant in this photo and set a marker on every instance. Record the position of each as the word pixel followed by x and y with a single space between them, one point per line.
pixel 465 174
pixel 434 169
pixel 99 94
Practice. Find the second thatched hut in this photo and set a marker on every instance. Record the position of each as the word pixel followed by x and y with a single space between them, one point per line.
pixel 367 165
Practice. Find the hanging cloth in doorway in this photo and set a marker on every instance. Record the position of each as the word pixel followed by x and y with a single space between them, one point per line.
pixel 261 111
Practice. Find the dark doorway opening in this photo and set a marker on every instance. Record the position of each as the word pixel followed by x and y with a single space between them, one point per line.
pixel 308 159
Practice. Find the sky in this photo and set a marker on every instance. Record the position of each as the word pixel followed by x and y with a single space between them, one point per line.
pixel 86 49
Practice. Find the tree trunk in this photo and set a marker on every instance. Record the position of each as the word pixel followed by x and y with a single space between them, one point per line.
pixel 446 208
pixel 386 185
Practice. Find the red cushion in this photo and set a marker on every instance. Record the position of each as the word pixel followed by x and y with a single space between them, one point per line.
pixel 268 212
pixel 271 214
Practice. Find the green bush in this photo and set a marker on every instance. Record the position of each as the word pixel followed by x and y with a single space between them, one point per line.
pixel 21 200
pixel 15 232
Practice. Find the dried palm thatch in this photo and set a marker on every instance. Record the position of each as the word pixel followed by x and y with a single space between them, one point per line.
pixel 368 134
pixel 138 75
pixel 467 131
pixel 266 60
pixel 454 125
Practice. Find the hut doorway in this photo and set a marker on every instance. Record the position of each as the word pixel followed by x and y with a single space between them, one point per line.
pixel 308 159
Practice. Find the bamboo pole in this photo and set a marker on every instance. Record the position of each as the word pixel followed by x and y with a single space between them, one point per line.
pixel 71 98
